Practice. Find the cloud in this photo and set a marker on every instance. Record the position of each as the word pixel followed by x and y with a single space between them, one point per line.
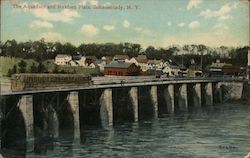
pixel 143 31
pixel 220 26
pixel 194 25
pixel 181 24
pixel 193 4
pixel 225 17
pixel 93 2
pixel 82 2
pixel 218 13
pixel 108 27
pixel 36 24
pixel 126 23
pixel 169 23
pixel 209 38
pixel 52 36
pixel 65 15
pixel 89 30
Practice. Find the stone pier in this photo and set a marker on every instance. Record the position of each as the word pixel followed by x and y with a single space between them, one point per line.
pixel 106 109
pixel 25 105
pixel 154 100
pixel 182 98
pixel 208 94
pixel 169 98
pixel 197 95
pixel 133 95
pixel 218 93
pixel 74 105
pixel 53 122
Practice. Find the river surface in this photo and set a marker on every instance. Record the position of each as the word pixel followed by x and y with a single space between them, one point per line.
pixel 221 131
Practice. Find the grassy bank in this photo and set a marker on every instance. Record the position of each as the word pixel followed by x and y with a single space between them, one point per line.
pixel 7 63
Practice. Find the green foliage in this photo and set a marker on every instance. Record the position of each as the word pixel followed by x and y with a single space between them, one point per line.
pixel 7 63
pixel 22 66
pixel 160 53
pixel 56 69
pixel 41 50
pixel 12 71
pixel 33 68
pixel 41 68
pixel 240 56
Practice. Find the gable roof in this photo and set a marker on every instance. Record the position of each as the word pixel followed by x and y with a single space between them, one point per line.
pixel 116 64
pixel 142 56
pixel 121 57
pixel 141 60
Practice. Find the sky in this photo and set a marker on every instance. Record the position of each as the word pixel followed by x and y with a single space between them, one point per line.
pixel 159 23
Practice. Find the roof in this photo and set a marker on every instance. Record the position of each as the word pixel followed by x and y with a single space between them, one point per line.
pixel 121 57
pixel 116 64
pixel 62 55
pixel 91 57
pixel 154 61
pixel 172 63
pixel 141 60
pixel 142 56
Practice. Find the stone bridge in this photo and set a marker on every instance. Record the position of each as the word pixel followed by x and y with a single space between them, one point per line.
pixel 55 112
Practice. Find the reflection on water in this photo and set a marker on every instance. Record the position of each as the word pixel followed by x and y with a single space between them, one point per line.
pixel 221 131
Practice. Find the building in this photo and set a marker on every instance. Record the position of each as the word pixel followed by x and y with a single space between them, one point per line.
pixel 171 68
pixel 155 64
pixel 103 62
pixel 116 68
pixel 142 62
pixel 63 59
pixel 215 69
pixel 122 58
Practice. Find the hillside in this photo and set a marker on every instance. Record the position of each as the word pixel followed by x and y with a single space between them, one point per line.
pixel 7 63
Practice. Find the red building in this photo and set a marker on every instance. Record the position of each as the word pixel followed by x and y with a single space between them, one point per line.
pixel 121 69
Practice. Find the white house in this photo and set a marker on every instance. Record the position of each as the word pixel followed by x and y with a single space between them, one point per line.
pixel 171 68
pixel 142 62
pixel 81 61
pixel 155 64
pixel 62 59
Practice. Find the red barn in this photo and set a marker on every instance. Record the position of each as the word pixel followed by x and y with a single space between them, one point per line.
pixel 121 69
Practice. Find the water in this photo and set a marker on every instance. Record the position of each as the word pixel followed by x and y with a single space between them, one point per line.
pixel 221 131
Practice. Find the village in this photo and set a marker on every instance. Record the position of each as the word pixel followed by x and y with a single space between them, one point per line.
pixel 123 65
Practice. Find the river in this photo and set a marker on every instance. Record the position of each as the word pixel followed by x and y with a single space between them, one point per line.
pixel 220 131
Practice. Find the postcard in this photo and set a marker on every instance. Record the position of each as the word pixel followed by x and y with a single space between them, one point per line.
pixel 125 78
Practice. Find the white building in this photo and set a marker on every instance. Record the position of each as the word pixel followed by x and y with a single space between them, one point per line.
pixel 81 61
pixel 171 68
pixel 143 63
pixel 155 64
pixel 63 59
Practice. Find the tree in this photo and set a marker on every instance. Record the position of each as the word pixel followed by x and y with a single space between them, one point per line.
pixel 22 66
pixel 12 71
pixel 150 52
pixel 56 69
pixel 33 68
pixel 41 68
